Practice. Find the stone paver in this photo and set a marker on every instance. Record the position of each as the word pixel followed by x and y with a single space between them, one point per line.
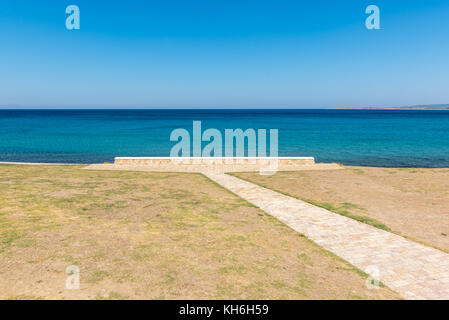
pixel 413 270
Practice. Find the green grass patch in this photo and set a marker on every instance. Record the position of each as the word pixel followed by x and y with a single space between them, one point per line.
pixel 343 208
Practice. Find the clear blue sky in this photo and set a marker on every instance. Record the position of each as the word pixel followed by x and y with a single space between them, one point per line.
pixel 223 53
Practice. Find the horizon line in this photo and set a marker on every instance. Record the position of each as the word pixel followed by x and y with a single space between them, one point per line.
pixel 429 107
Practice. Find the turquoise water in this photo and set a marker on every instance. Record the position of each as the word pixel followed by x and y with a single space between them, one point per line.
pixel 399 138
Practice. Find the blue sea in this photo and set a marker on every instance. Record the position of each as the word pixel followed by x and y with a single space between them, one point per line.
pixel 391 138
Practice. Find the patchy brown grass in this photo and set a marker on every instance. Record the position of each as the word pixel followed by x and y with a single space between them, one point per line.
pixel 140 235
pixel 410 202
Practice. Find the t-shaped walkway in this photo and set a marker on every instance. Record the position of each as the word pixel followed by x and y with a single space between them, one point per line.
pixel 411 269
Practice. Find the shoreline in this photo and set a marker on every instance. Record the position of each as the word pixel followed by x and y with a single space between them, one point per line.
pixel 28 163
pixel 41 163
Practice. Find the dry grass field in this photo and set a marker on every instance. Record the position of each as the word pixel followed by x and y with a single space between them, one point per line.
pixel 141 235
pixel 411 202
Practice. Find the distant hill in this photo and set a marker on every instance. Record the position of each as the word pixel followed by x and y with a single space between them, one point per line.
pixel 419 107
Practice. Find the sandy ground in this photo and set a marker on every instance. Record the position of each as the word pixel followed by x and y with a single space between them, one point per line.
pixel 410 202
pixel 156 236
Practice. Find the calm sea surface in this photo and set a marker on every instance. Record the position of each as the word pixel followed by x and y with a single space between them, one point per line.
pixel 399 138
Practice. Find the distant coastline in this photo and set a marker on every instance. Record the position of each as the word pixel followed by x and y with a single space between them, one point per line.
pixel 230 108
pixel 417 107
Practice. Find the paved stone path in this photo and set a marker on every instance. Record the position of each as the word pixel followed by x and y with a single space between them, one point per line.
pixel 411 269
